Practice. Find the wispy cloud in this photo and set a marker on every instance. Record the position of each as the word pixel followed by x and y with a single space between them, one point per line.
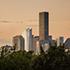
pixel 5 21
pixel 31 20
pixel 28 20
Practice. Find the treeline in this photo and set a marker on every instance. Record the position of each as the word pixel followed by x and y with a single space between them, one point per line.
pixel 54 59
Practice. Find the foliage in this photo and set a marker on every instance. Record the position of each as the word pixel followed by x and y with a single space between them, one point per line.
pixel 56 59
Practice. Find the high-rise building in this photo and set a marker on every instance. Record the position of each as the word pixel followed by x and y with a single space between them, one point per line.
pixel 18 43
pixel 28 39
pixel 43 25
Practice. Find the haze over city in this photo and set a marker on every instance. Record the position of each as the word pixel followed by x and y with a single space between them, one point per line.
pixel 16 15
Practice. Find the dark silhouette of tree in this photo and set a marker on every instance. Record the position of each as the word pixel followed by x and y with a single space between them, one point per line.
pixel 2 52
pixel 56 59
pixel 41 50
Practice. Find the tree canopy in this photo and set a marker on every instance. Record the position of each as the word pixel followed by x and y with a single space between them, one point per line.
pixel 55 59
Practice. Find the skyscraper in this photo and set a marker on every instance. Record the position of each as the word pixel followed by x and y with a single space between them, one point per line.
pixel 43 25
pixel 28 39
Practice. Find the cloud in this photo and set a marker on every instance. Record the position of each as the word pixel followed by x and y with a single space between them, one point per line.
pixel 5 21
pixel 32 20
pixel 25 21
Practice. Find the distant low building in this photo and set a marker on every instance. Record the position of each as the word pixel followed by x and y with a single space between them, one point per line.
pixel 18 43
pixel 37 51
pixel 36 45
pixel 45 45
pixel 60 41
pixel 54 43
pixel 67 44
pixel 35 39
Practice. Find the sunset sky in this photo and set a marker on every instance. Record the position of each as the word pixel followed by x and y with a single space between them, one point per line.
pixel 16 15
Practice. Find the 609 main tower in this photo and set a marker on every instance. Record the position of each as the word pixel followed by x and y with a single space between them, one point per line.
pixel 43 25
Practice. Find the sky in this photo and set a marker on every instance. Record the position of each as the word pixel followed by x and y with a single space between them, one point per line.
pixel 16 15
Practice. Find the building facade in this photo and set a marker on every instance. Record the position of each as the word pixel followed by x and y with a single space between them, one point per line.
pixel 28 39
pixel 43 25
pixel 18 43
pixel 60 41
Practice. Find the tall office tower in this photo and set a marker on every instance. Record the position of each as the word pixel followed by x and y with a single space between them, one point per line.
pixel 43 25
pixel 28 39
pixel 18 43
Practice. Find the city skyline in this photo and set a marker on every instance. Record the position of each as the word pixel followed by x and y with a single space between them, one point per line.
pixel 16 15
